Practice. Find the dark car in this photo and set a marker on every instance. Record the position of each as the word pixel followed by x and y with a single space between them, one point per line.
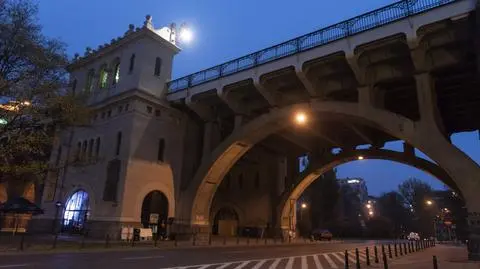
pixel 321 234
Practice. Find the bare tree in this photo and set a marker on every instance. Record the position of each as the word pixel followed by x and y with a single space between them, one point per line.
pixel 35 100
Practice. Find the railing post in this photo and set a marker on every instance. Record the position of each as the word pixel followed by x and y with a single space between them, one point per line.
pixel 367 253
pixel 401 249
pixel 357 259
pixel 395 249
pixel 376 253
pixel 383 250
pixel 385 263
pixel 346 260
pixel 389 251
pixel 435 262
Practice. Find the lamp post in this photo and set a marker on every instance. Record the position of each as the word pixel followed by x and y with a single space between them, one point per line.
pixel 58 205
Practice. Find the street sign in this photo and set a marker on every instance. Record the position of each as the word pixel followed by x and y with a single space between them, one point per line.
pixel 154 218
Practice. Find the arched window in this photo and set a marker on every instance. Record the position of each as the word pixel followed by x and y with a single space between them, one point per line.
pixel 116 71
pixel 84 150
pixel 158 66
pixel 78 151
pixel 97 148
pixel 161 149
pixel 74 85
pixel 90 148
pixel 76 212
pixel 132 63
pixel 119 143
pixel 103 77
pixel 90 77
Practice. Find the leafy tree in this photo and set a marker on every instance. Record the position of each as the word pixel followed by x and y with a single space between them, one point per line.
pixel 392 205
pixel 34 100
pixel 323 196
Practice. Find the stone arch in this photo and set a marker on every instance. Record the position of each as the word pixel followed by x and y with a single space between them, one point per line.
pixel 76 212
pixel 327 163
pixel 156 203
pixel 430 141
pixel 230 218
pixel 154 186
pixel 238 210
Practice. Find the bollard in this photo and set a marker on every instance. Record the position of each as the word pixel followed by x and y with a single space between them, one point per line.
pixel 55 241
pixel 395 249
pixel 376 254
pixel 435 262
pixel 357 259
pixel 194 239
pixel 155 242
pixel 383 250
pixel 401 249
pixel 209 239
pixel 107 241
pixel 346 260
pixel 409 249
pixel 133 241
pixel 224 240
pixel 289 239
pixel 367 253
pixel 389 251
pixel 22 241
pixel 385 263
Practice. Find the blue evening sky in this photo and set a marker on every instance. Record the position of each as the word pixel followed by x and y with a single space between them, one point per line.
pixel 226 29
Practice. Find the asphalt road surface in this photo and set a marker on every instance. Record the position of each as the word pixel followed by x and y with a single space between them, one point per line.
pixel 321 255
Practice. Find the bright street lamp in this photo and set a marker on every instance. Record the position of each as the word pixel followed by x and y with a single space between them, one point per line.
pixel 370 213
pixel 429 202
pixel 360 157
pixel 369 206
pixel 186 34
pixel 300 118
pixel 304 205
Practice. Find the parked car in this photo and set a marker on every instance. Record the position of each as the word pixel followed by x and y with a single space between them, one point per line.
pixel 413 236
pixel 321 234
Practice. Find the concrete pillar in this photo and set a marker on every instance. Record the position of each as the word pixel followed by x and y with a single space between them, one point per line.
pixel 281 174
pixel 207 139
pixel 238 121
pixel 408 149
pixel 427 101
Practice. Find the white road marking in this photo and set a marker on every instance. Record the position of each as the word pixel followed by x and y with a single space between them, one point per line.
pixel 289 263
pixel 275 264
pixel 339 258
pixel 204 267
pixel 142 258
pixel 330 261
pixel 257 266
pixel 304 262
pixel 223 266
pixel 243 264
pixel 318 265
pixel 14 265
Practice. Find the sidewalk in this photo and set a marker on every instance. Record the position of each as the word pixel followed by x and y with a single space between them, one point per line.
pixel 449 257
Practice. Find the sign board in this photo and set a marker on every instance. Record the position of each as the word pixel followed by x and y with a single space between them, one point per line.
pixel 146 233
pixel 154 218
pixel 126 233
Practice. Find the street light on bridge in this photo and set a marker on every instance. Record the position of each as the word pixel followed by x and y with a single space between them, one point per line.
pixel 304 205
pixel 300 118
pixel 360 157
pixel 429 202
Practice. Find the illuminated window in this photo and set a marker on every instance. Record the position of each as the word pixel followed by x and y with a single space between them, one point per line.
pixel 90 77
pixel 116 72
pixel 103 77
pixel 76 210
pixel 158 66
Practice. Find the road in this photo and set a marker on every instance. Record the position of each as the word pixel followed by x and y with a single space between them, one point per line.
pixel 321 255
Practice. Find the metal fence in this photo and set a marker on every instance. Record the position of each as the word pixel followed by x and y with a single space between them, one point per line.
pixel 373 19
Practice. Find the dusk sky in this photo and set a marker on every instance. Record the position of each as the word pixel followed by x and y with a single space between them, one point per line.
pixel 227 29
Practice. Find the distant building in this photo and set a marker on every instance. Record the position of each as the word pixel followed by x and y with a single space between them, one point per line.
pixel 357 185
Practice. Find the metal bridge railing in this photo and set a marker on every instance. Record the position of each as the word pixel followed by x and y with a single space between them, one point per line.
pixel 364 22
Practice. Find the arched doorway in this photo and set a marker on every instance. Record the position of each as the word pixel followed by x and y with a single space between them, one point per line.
pixel 225 222
pixel 76 213
pixel 155 212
